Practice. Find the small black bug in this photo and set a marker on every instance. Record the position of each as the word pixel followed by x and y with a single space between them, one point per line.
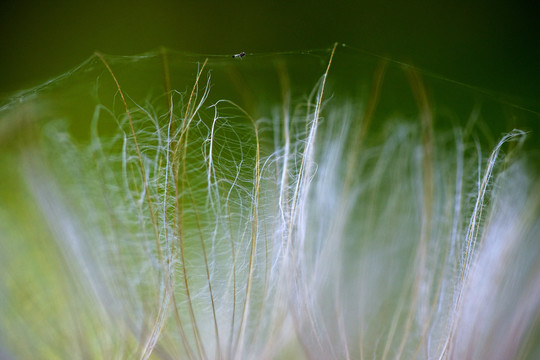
pixel 239 56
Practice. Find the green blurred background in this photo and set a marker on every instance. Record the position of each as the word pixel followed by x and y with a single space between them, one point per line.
pixel 490 44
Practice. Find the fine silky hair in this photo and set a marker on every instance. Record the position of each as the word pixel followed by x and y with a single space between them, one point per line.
pixel 325 204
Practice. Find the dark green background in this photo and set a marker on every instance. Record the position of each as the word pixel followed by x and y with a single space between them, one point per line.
pixel 491 44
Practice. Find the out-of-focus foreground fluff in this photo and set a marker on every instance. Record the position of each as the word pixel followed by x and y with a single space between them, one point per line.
pixel 321 205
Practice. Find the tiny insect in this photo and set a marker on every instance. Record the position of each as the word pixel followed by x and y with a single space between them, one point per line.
pixel 239 56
